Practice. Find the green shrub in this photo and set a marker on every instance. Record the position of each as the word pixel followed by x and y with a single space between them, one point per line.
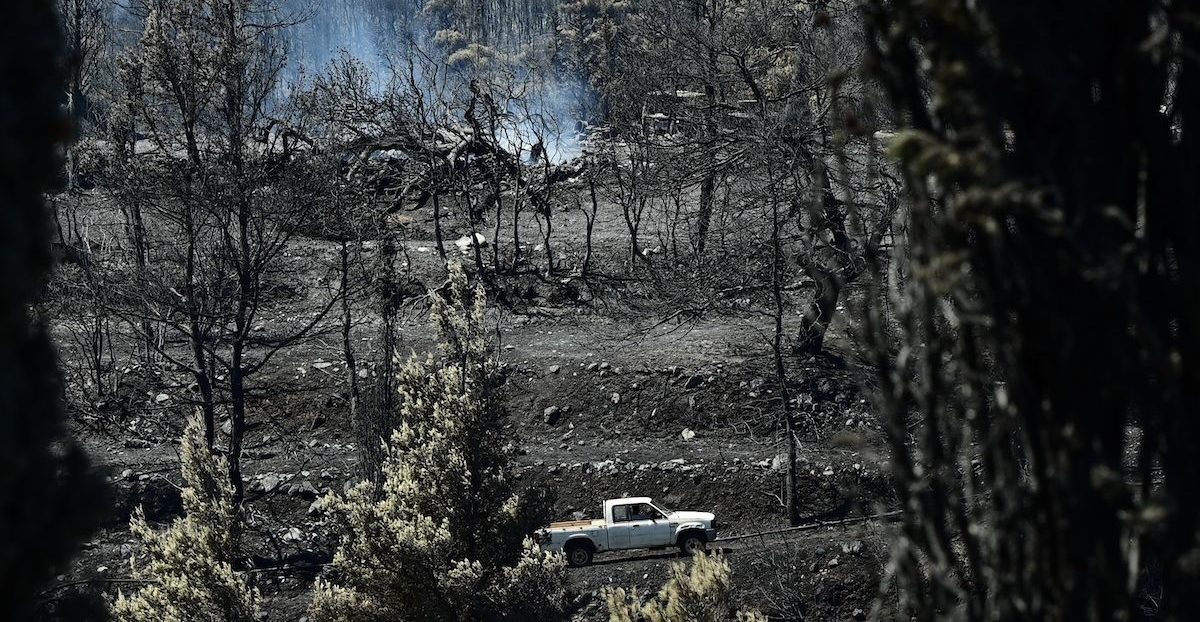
pixel 189 576
pixel 445 537
pixel 702 592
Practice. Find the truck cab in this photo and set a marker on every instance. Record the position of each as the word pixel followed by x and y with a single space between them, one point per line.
pixel 630 523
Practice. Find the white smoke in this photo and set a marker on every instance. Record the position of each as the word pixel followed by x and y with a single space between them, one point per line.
pixel 547 115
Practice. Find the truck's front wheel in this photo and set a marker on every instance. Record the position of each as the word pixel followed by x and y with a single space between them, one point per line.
pixel 578 555
pixel 692 543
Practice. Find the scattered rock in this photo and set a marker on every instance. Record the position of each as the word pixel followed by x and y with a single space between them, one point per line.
pixel 322 365
pixel 161 398
pixel 127 474
pixel 466 242
pixel 554 369
pixel 551 415
pixel 670 465
pixel 616 398
pixel 687 434
pixel 607 467
pixel 694 382
pixel 303 489
pixel 269 482
pixel 293 535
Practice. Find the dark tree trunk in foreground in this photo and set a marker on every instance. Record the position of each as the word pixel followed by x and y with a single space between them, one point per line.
pixel 1051 317
pixel 49 497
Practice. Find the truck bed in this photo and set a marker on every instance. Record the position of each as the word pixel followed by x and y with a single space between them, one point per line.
pixel 576 524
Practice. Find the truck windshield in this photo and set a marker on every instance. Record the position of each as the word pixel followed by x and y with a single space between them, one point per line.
pixel 661 508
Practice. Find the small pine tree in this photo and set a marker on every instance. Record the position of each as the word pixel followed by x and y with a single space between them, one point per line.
pixel 701 593
pixel 189 575
pixel 445 539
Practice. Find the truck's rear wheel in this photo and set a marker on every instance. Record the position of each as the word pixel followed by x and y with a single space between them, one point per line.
pixel 692 543
pixel 578 555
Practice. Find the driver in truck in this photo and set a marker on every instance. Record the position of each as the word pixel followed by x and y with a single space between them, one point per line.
pixel 643 511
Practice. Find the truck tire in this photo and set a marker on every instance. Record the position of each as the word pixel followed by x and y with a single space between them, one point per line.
pixel 691 543
pixel 578 555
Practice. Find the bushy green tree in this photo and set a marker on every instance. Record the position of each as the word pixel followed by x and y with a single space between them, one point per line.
pixel 189 575
pixel 445 537
pixel 702 592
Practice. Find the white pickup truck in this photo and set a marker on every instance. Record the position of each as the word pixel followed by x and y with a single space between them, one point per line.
pixel 631 523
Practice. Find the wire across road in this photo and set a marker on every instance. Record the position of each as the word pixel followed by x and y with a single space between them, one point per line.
pixel 812 526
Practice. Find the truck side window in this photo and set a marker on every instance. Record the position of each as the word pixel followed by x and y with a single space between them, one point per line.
pixel 621 514
pixel 643 511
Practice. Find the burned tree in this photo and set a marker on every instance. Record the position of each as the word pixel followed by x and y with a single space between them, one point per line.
pixel 51 498
pixel 226 187
pixel 1042 398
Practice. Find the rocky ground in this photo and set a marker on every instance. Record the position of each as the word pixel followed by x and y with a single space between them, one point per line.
pixel 600 404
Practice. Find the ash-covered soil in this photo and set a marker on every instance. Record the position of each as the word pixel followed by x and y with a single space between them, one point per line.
pixel 695 431
pixel 603 400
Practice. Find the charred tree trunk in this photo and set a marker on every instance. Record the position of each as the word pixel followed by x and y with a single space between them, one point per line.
pixel 347 333
pixel 791 503
pixel 546 209
pixel 707 200
pixel 590 219
pixel 197 335
pixel 438 236
pixel 830 275
pixel 820 313
pixel 709 183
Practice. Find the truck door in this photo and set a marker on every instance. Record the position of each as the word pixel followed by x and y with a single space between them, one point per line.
pixel 649 527
pixel 620 529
